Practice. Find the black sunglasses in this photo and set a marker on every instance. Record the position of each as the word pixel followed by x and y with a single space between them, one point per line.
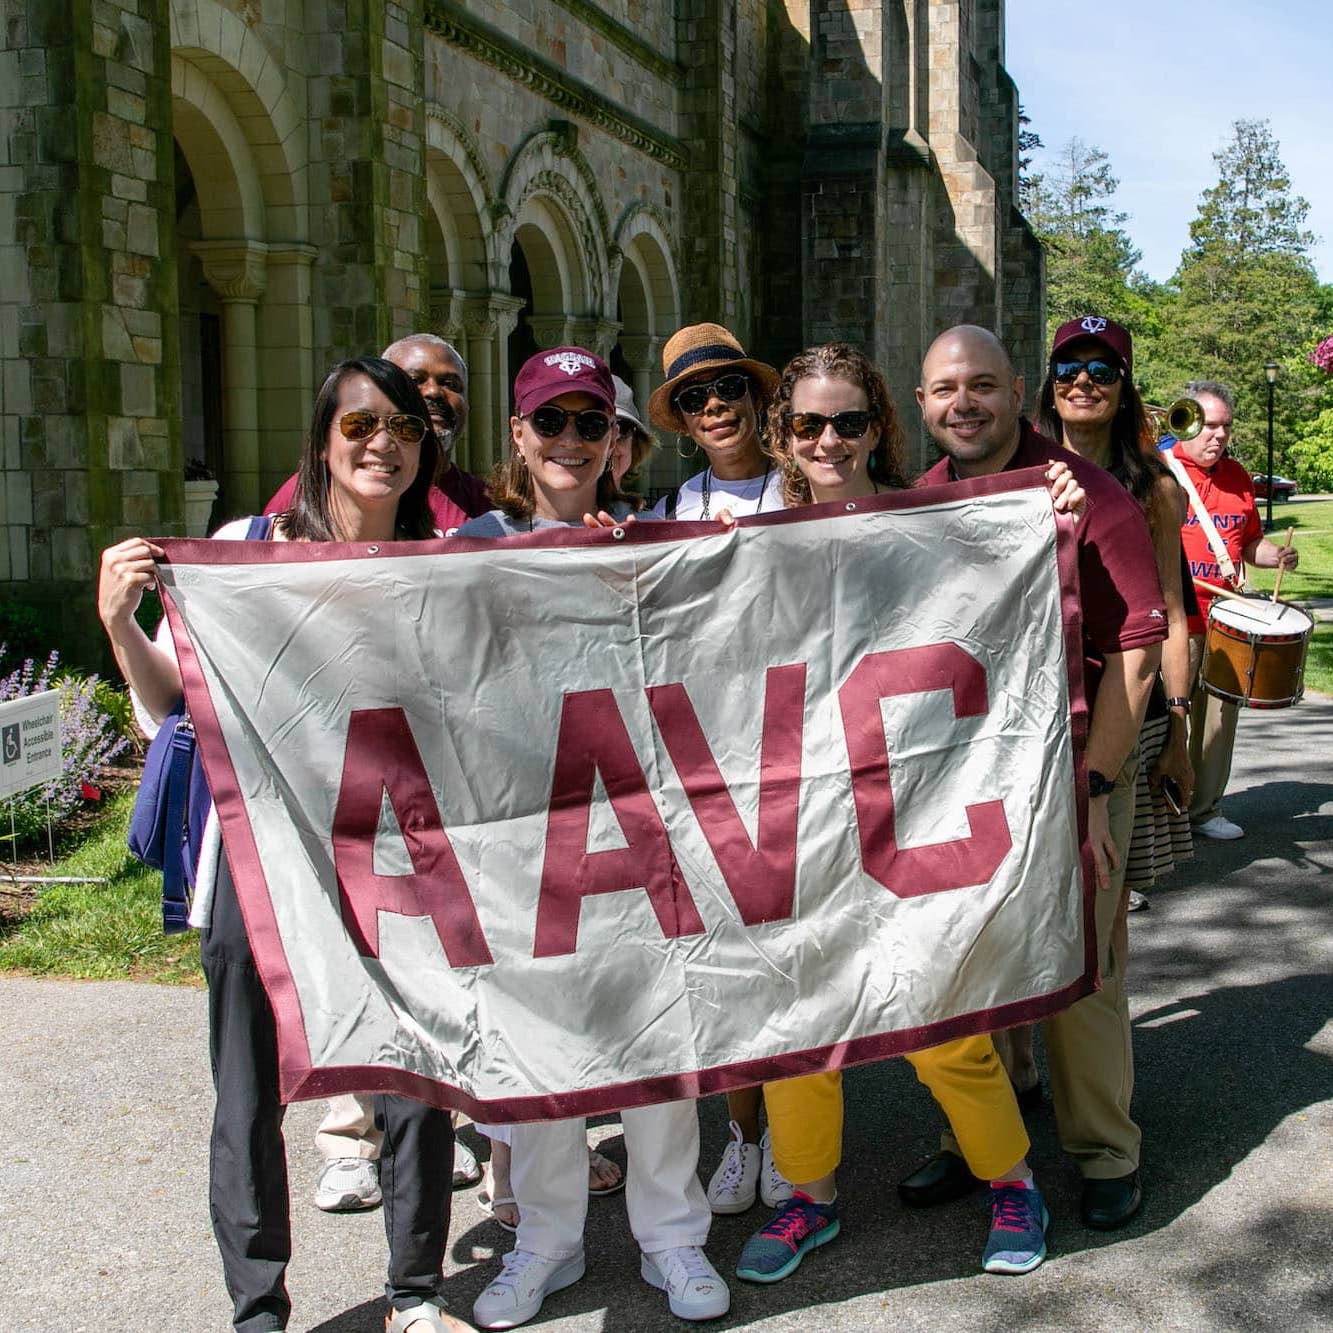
pixel 694 397
pixel 810 425
pixel 1099 372
pixel 589 423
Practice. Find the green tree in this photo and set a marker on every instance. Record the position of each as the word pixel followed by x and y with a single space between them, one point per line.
pixel 1310 453
pixel 1245 293
pixel 1090 260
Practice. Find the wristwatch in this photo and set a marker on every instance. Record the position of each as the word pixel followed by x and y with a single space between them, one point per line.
pixel 1178 701
pixel 1099 784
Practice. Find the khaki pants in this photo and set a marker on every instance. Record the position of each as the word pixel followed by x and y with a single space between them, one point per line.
pixel 1212 738
pixel 1089 1045
pixel 348 1128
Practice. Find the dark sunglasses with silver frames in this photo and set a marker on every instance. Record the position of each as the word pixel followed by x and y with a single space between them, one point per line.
pixel 589 423
pixel 730 388
pixel 1099 372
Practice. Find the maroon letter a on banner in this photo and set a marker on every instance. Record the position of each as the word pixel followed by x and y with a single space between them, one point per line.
pixel 761 876
pixel 382 756
pixel 910 871
pixel 593 740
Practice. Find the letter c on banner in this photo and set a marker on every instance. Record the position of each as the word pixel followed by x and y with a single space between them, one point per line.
pixel 909 872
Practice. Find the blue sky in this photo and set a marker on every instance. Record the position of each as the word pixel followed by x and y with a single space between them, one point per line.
pixel 1158 85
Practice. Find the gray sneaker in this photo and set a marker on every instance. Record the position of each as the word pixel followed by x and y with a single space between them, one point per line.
pixel 348 1185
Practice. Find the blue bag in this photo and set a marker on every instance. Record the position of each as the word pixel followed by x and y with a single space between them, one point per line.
pixel 171 809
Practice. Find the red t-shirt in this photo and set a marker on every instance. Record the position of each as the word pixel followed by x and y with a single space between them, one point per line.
pixel 462 497
pixel 1119 592
pixel 1227 494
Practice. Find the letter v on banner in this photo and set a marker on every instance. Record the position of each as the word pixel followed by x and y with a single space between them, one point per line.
pixel 593 741
pixel 760 875
pixel 382 756
pixel 911 871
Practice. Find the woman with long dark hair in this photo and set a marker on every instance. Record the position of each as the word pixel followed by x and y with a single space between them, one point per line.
pixel 367 466
pixel 1089 403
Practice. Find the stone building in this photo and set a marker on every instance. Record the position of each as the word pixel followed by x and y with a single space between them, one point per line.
pixel 204 203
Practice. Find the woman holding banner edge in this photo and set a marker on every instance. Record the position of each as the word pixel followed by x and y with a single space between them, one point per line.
pixel 365 473
pixel 834 433
pixel 559 474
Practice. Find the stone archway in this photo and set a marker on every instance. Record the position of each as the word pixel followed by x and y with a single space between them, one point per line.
pixel 243 236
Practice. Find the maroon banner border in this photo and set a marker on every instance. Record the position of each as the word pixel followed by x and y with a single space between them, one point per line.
pixel 299 1080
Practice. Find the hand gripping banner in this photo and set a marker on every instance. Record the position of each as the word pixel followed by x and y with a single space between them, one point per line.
pixel 584 820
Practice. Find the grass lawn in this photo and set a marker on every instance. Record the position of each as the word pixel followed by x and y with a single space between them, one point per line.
pixel 1313 521
pixel 101 931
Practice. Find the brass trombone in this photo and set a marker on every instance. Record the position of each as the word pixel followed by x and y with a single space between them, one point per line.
pixel 1183 420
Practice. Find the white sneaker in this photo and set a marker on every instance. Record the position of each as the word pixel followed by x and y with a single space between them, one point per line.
pixel 347 1185
pixel 525 1281
pixel 732 1188
pixel 694 1288
pixel 467 1170
pixel 773 1188
pixel 1220 828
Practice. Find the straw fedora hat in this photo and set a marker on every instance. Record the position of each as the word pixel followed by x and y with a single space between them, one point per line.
pixel 700 347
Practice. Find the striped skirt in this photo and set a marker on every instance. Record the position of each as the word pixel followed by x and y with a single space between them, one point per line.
pixel 1161 839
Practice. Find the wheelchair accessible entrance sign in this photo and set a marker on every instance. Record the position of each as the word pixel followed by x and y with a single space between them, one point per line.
pixel 29 742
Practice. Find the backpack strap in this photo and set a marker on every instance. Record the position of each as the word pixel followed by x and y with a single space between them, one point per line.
pixel 175 897
pixel 260 529
pixel 672 501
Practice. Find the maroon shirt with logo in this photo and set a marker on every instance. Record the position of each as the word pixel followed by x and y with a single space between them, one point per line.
pixel 1119 592
pixel 461 497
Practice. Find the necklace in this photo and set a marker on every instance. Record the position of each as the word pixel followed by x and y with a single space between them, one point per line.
pixel 706 489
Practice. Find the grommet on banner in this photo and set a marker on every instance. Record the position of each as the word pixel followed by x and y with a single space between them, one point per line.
pixel 372 550
pixel 618 533
pixel 850 506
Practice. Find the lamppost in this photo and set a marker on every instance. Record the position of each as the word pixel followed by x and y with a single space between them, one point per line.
pixel 1270 374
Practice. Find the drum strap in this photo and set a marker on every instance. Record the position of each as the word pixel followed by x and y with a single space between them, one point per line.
pixel 1215 542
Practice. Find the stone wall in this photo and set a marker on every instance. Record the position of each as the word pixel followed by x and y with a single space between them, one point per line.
pixel 346 171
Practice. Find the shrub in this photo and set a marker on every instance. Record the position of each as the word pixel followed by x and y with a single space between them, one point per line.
pixel 89 739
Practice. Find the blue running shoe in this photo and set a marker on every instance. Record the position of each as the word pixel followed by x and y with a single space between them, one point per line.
pixel 1017 1240
pixel 775 1251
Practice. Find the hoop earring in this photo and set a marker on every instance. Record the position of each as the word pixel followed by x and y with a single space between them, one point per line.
pixel 681 452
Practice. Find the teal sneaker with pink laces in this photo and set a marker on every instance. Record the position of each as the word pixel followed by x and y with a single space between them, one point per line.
pixel 1017 1240
pixel 798 1226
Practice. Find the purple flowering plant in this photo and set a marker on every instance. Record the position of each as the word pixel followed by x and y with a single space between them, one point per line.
pixel 1322 356
pixel 90 740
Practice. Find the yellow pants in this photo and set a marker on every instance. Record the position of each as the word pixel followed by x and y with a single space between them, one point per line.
pixel 965 1077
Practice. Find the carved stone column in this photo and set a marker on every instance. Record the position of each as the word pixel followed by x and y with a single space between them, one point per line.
pixel 238 272
pixel 551 330
pixel 286 336
pixel 642 351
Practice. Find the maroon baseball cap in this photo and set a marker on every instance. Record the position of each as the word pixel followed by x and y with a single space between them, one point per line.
pixel 563 370
pixel 1114 337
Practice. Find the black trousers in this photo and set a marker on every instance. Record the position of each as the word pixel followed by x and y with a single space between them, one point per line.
pixel 247 1176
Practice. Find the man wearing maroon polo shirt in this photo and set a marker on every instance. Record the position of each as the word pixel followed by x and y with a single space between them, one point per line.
pixel 972 401
pixel 439 371
pixel 1227 493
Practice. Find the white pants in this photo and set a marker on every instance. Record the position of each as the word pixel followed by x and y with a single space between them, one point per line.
pixel 665 1201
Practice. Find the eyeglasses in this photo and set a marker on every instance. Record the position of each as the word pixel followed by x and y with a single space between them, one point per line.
pixel 589 423
pixel 1099 372
pixel 359 426
pixel 729 388
pixel 810 425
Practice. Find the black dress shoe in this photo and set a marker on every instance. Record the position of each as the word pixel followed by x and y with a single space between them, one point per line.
pixel 942 1179
pixel 1109 1204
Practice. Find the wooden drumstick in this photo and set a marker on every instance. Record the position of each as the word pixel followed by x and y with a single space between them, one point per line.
pixel 1218 591
pixel 1282 569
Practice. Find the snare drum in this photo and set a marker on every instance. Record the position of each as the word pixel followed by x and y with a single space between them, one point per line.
pixel 1255 653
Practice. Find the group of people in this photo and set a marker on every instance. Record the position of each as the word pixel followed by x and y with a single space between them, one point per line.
pixel 377 466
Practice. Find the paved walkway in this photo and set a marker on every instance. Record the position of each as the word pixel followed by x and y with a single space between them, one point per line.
pixel 105 1100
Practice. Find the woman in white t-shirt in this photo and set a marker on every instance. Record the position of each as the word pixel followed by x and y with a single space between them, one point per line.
pixel 715 394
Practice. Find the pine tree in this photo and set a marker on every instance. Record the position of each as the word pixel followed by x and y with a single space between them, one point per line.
pixel 1090 260
pixel 1245 293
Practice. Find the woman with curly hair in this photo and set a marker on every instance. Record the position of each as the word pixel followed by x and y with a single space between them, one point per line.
pixel 834 433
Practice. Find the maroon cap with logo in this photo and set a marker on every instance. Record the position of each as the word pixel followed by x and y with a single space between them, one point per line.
pixel 1114 337
pixel 563 370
